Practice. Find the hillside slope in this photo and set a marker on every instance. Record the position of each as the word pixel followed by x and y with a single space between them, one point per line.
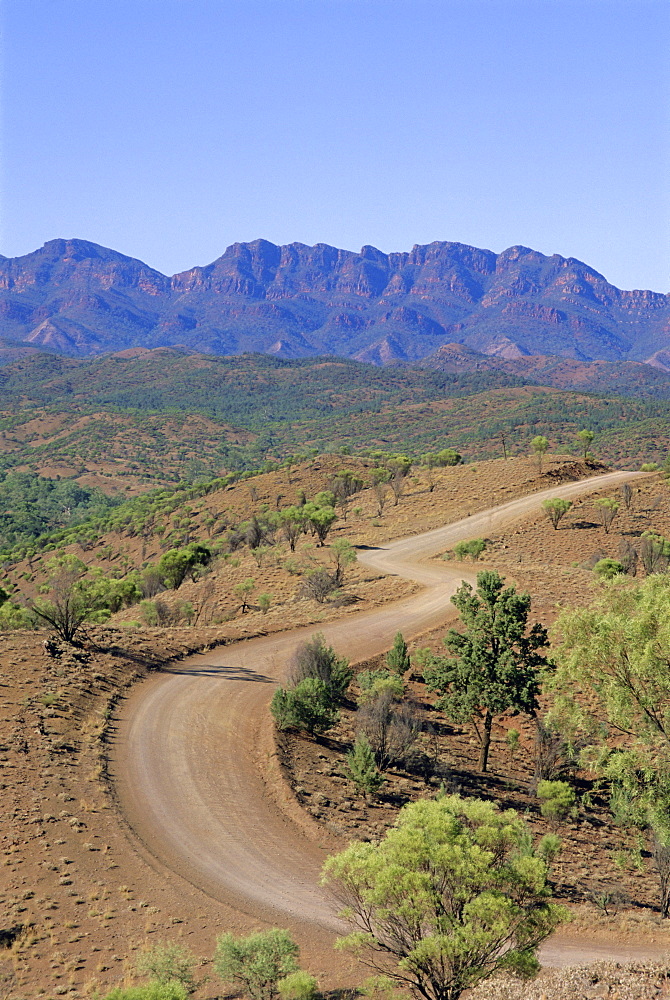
pixel 124 421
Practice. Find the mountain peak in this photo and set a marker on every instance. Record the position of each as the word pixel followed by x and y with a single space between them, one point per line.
pixel 296 300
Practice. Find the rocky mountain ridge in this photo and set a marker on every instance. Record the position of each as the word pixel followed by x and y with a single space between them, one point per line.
pixel 77 298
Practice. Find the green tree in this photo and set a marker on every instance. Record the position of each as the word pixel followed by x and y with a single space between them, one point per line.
pixel 448 456
pixel 256 963
pixel 291 523
pixel 454 893
pixel 585 439
pixel 243 591
pixel 320 519
pixel 361 767
pixel 494 664
pixel 176 564
pixel 71 598
pixel 430 461
pixel 556 508
pixel 308 707
pixel 397 658
pixel 607 511
pixel 343 554
pixel 539 447
pixel 616 649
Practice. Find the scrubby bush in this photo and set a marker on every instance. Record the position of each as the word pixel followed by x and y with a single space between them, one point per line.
pixel 168 962
pixel 151 991
pixel 298 985
pixel 473 548
pixel 392 728
pixel 607 569
pixel 161 614
pixel 256 964
pixel 557 800
pixel 314 659
pixel 308 707
pixel 317 585
pixel 374 682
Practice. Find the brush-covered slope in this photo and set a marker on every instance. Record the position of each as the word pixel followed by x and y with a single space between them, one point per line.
pixel 127 421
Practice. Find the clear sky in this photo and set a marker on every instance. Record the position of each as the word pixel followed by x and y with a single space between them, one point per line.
pixel 168 129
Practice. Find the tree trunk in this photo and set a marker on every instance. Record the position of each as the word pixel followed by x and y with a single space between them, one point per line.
pixel 486 742
pixel 661 854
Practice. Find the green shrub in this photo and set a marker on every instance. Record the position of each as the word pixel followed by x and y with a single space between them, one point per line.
pixel 152 991
pixel 308 707
pixel 557 800
pixel 397 657
pixel 607 569
pixel 473 548
pixel 649 467
pixel 374 682
pixel 361 767
pixel 256 964
pixel 12 616
pixel 315 659
pixel 298 986
pixel 168 962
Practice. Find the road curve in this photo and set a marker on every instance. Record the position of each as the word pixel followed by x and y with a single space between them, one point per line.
pixel 190 760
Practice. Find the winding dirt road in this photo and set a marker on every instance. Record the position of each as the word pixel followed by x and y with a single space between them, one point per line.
pixel 191 758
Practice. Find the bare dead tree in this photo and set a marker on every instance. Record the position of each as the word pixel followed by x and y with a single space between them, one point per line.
pixel 628 557
pixel 392 728
pixel 626 491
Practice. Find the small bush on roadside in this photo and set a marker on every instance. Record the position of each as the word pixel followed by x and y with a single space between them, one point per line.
pixel 315 659
pixel 298 986
pixel 473 548
pixel 151 991
pixel 308 707
pixel 256 964
pixel 168 962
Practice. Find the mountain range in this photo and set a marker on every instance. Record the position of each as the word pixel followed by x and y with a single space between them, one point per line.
pixel 76 298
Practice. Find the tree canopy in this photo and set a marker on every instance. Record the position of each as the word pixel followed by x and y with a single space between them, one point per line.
pixel 617 649
pixel 493 664
pixel 453 893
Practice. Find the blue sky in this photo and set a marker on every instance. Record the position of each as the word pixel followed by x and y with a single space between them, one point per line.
pixel 168 129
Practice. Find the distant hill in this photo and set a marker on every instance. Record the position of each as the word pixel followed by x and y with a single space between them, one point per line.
pixel 80 299
pixel 620 378
pixel 126 421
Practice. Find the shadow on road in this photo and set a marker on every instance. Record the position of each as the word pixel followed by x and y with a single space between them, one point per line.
pixel 224 672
